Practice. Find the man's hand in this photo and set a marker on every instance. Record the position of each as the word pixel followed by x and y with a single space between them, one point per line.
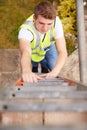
pixel 49 75
pixel 30 77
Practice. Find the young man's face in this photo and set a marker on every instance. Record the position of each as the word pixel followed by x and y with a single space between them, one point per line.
pixel 42 24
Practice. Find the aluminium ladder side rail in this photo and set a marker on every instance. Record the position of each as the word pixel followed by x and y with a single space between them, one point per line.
pixel 82 41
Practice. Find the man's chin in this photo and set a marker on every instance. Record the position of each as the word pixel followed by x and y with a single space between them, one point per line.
pixel 42 32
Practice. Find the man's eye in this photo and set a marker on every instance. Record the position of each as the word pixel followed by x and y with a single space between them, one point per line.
pixel 41 23
pixel 50 24
pixel 44 24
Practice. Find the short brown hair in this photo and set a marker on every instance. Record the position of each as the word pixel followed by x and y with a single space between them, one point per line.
pixel 45 9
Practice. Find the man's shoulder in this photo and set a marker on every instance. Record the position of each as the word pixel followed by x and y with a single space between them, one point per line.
pixel 57 18
pixel 30 18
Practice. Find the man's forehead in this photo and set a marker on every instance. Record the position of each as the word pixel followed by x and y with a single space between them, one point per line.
pixel 42 19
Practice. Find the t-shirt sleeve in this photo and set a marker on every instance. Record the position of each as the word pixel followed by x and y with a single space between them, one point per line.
pixel 26 34
pixel 58 28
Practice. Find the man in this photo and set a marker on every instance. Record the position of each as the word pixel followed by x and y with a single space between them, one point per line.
pixel 41 40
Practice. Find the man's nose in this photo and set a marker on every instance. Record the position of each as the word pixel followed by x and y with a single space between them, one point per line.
pixel 45 28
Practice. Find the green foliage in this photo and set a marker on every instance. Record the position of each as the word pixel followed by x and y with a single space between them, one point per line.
pixel 67 13
pixel 71 41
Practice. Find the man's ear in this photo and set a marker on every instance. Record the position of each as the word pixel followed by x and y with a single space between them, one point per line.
pixel 34 17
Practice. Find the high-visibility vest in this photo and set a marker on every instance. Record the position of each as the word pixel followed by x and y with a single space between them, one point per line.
pixel 39 47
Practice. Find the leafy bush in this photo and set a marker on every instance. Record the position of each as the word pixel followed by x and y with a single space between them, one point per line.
pixel 67 12
pixel 71 42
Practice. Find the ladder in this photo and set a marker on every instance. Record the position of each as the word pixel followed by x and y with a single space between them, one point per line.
pixel 45 91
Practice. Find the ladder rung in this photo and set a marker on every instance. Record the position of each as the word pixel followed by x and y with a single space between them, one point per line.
pixel 78 127
pixel 21 106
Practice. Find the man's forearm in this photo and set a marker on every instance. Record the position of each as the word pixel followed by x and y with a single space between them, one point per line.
pixel 26 62
pixel 60 62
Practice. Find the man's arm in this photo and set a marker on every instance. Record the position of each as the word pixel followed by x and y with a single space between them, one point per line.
pixel 62 55
pixel 26 67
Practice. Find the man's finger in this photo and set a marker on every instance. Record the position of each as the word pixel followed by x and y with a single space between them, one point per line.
pixel 43 76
